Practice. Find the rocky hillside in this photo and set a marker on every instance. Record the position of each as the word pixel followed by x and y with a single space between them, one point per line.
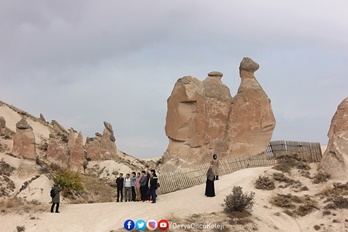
pixel 31 149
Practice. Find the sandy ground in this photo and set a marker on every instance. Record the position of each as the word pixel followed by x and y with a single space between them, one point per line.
pixel 111 216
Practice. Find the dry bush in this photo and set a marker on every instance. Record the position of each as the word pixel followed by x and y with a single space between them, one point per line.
pixel 300 206
pixel 295 184
pixel 341 202
pixel 20 228
pixel 326 212
pixel 264 182
pixel 239 201
pixel 338 189
pixel 284 201
pixel 316 227
pixel 5 169
pixel 288 212
pixel 321 177
pixel 280 177
pixel 287 162
pixel 54 167
pixel 306 208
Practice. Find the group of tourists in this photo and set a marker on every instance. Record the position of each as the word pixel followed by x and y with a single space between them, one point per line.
pixel 142 186
pixel 137 186
pixel 212 175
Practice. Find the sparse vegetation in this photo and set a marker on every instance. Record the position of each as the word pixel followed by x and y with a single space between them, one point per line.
pixel 239 201
pixel 287 162
pixel 316 227
pixel 6 184
pixel 19 206
pixel 321 177
pixel 264 182
pixel 96 190
pixel 295 206
pixel 340 202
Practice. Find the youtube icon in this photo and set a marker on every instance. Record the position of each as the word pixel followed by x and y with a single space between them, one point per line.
pixel 163 224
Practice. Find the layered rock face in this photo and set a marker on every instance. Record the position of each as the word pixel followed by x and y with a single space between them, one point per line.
pixel 251 121
pixel 24 141
pixel 77 156
pixel 203 118
pixel 335 158
pixel 102 147
pixel 197 116
pixel 57 151
pixel 74 153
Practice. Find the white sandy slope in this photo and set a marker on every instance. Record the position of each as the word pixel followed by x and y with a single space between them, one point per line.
pixel 111 216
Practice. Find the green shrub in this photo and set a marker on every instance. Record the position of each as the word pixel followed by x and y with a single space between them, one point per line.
pixel 239 201
pixel 68 180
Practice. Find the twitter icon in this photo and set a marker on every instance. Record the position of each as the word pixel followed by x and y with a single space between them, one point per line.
pixel 140 224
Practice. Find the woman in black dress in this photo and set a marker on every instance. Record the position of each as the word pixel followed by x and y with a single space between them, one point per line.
pixel 209 187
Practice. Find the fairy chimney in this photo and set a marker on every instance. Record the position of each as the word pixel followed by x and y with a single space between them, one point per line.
pixel 335 158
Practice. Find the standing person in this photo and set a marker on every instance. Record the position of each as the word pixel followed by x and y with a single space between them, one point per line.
pixel 153 185
pixel 133 180
pixel 215 163
pixel 119 187
pixel 143 186
pixel 148 191
pixel 137 187
pixel 55 197
pixel 127 187
pixel 209 186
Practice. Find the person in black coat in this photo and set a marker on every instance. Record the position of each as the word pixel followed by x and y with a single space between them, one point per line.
pixel 119 187
pixel 143 186
pixel 153 185
pixel 209 187
pixel 56 198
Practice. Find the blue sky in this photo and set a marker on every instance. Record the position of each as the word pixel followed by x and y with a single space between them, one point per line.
pixel 85 62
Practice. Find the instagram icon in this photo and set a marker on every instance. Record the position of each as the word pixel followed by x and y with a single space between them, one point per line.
pixel 151 224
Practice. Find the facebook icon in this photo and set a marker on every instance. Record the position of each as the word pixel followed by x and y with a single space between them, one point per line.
pixel 129 224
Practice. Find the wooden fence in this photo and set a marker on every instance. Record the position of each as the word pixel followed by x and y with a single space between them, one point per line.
pixel 189 177
pixel 311 152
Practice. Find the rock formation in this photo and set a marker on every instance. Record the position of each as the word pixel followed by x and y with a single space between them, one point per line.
pixel 71 139
pixel 24 141
pixel 77 156
pixel 42 118
pixel 251 121
pixel 102 147
pixel 203 118
pixel 57 151
pixel 2 125
pixel 107 144
pixel 59 128
pixel 93 147
pixel 335 158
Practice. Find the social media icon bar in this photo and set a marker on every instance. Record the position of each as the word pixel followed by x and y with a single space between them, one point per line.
pixel 140 225
pixel 151 224
pixel 163 224
pixel 129 224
